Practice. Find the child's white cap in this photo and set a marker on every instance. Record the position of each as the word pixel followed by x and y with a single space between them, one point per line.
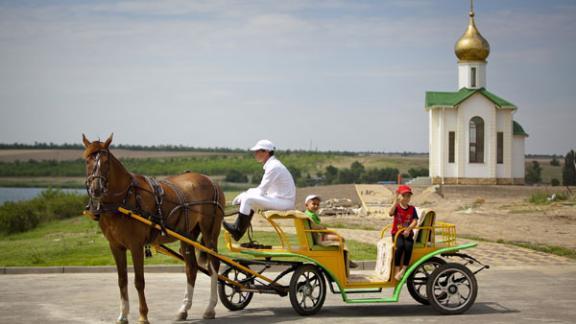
pixel 310 197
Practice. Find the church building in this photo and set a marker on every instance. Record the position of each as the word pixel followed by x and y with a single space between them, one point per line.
pixel 473 138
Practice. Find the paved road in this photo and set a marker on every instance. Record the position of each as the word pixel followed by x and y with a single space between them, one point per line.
pixel 522 294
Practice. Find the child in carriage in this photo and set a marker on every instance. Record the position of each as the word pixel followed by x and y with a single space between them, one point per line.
pixel 312 203
pixel 405 219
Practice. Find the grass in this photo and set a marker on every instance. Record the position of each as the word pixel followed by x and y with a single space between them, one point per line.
pixel 79 242
pixel 550 249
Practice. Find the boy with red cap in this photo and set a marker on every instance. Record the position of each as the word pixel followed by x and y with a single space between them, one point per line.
pixel 405 219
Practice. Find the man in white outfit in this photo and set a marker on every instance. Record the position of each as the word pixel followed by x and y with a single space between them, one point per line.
pixel 276 190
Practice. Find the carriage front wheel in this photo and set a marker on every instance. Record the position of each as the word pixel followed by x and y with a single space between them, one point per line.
pixel 418 279
pixel 452 289
pixel 230 295
pixel 307 290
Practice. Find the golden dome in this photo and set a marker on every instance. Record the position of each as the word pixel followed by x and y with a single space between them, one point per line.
pixel 472 46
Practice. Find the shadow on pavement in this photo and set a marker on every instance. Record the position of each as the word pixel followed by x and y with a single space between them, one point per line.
pixel 282 314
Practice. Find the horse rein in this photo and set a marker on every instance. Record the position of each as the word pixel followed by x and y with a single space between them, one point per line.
pixel 157 192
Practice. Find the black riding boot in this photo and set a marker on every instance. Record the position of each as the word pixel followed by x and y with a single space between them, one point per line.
pixel 238 229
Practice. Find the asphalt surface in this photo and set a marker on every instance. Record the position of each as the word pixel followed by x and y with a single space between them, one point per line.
pixel 512 294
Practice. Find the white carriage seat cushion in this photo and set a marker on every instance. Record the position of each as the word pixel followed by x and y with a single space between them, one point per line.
pixel 385 251
pixel 421 216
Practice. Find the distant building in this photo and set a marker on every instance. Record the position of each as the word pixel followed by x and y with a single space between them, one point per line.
pixel 472 136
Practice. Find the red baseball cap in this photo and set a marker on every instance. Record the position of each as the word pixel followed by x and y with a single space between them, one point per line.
pixel 404 189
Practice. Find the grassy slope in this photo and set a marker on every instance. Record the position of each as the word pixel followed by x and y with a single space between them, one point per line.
pixel 78 242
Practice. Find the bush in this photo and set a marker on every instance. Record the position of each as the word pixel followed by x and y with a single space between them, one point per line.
pixel 555 182
pixel 569 169
pixel 236 177
pixel 543 198
pixel 554 161
pixel 49 205
pixel 534 173
pixel 418 172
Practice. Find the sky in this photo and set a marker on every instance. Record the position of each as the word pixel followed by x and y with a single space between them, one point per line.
pixel 326 75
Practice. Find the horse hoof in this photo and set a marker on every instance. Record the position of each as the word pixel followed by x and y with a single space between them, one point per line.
pixel 122 321
pixel 182 316
pixel 143 322
pixel 209 315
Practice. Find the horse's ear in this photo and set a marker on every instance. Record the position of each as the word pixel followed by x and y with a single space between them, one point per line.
pixel 85 141
pixel 108 141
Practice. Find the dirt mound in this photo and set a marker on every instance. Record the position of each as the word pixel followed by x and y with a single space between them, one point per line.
pixel 345 191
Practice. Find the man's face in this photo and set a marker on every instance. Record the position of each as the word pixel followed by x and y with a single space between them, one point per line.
pixel 261 155
pixel 313 205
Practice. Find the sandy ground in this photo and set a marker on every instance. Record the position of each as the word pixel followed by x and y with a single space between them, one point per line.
pixel 489 212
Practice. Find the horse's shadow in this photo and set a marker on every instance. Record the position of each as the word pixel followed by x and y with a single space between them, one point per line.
pixel 283 314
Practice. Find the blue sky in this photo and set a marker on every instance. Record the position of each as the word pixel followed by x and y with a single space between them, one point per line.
pixel 331 75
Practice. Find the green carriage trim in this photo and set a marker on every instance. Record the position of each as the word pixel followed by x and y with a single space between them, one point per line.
pixel 395 296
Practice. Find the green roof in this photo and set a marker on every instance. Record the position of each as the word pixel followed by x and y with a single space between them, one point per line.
pixel 517 129
pixel 452 99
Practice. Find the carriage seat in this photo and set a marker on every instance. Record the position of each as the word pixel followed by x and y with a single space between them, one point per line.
pixel 385 247
pixel 313 239
pixel 425 236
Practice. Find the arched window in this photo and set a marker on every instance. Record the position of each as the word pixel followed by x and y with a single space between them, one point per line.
pixel 476 140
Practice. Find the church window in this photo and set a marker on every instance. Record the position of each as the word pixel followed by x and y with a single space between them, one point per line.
pixel 500 147
pixel 476 140
pixel 451 146
pixel 473 77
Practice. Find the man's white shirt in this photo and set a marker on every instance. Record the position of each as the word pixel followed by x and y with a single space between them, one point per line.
pixel 277 181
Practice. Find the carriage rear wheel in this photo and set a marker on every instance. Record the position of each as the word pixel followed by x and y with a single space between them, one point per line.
pixel 452 289
pixel 307 290
pixel 416 282
pixel 230 295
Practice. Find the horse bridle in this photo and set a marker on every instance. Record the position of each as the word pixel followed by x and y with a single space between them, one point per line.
pixel 99 176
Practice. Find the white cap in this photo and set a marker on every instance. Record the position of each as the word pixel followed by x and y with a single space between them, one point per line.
pixel 263 145
pixel 310 197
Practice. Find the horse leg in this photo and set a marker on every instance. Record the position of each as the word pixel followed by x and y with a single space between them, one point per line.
pixel 138 260
pixel 214 266
pixel 191 272
pixel 119 254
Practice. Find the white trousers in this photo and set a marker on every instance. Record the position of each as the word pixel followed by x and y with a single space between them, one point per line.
pixel 253 200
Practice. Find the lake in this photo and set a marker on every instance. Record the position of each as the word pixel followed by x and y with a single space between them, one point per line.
pixel 18 194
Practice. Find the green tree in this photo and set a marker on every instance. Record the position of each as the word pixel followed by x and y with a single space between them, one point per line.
pixel 569 169
pixel 235 176
pixel 534 173
pixel 357 170
pixel 331 174
pixel 554 161
pixel 418 172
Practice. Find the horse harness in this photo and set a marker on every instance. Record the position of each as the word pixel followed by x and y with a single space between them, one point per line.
pixel 97 207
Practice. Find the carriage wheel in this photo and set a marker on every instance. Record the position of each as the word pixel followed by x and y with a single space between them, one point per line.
pixel 231 296
pixel 307 290
pixel 452 289
pixel 416 282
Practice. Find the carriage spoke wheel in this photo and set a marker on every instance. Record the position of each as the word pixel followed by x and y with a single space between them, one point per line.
pixel 307 290
pixel 452 289
pixel 418 279
pixel 231 296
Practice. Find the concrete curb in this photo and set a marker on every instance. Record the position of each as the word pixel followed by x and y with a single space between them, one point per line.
pixel 362 265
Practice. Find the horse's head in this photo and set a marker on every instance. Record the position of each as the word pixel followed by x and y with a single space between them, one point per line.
pixel 97 156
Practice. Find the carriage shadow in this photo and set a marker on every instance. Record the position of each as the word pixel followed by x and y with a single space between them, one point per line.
pixel 283 314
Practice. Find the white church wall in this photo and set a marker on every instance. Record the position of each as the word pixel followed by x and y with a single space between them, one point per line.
pixel 465 75
pixel 478 105
pixel 518 159
pixel 451 120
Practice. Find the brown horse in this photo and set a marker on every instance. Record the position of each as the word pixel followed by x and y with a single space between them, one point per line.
pixel 189 203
